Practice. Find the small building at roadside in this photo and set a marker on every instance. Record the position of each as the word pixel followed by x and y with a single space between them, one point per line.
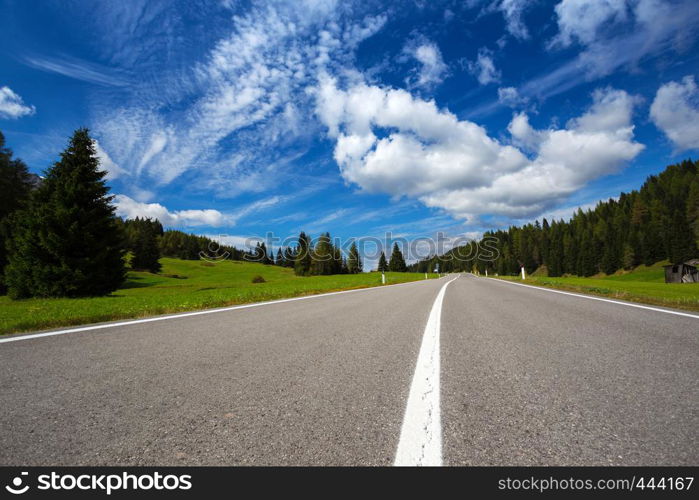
pixel 682 272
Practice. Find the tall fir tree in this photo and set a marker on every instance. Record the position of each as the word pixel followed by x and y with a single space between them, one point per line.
pixel 302 258
pixel 397 262
pixel 15 188
pixel 354 261
pixel 144 247
pixel 383 265
pixel 66 243
pixel 280 261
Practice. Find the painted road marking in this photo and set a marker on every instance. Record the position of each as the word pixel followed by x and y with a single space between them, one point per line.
pixel 420 442
pixel 677 313
pixel 194 313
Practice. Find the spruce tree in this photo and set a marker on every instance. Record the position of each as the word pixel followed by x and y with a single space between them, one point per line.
pixel 15 188
pixel 397 262
pixel 146 253
pixel 280 258
pixel 323 256
pixel 354 262
pixel 383 265
pixel 66 243
pixel 302 259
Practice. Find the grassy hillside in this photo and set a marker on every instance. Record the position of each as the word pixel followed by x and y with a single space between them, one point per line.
pixel 645 284
pixel 182 286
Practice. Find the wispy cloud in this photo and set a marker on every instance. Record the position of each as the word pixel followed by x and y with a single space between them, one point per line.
pixel 78 69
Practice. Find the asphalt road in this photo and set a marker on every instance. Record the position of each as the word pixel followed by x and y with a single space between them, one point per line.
pixel 528 377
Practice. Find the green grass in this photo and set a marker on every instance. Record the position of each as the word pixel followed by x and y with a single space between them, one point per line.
pixel 181 286
pixel 645 284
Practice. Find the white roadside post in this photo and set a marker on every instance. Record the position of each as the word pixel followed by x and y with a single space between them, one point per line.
pixel 425 275
pixel 383 278
pixel 486 272
pixel 523 273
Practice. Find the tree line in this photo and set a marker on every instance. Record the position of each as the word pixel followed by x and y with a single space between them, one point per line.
pixel 60 236
pixel 660 221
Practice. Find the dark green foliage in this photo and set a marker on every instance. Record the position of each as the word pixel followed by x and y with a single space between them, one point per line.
pixel 354 261
pixel 180 245
pixel 67 243
pixel 658 222
pixel 383 265
pixel 142 236
pixel 280 260
pixel 15 187
pixel 302 260
pixel 397 262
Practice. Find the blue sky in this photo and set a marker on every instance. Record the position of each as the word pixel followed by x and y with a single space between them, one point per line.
pixel 244 117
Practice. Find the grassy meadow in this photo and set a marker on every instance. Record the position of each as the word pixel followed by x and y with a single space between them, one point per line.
pixel 183 285
pixel 645 284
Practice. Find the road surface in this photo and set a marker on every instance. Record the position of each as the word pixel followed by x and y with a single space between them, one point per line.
pixel 514 376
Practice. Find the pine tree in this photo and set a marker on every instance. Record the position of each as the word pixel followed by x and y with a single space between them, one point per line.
pixel 397 262
pixel 146 253
pixel 280 258
pixel 323 256
pixel 15 186
pixel 354 262
pixel 302 259
pixel 383 265
pixel 67 242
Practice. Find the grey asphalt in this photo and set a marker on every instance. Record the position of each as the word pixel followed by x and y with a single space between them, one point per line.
pixel 531 377
pixel 528 377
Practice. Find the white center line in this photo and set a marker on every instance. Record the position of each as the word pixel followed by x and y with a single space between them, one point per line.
pixel 420 440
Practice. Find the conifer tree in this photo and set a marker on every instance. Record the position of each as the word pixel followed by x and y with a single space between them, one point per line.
pixel 383 265
pixel 397 262
pixel 280 258
pixel 15 188
pixel 67 242
pixel 302 259
pixel 146 253
pixel 354 262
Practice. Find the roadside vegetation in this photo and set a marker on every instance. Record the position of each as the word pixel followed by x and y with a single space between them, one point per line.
pixel 182 285
pixel 644 284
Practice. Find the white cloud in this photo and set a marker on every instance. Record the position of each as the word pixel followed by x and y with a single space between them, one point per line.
pixel 675 111
pixel 510 96
pixel 12 105
pixel 614 34
pixel 483 68
pixel 129 208
pixel 388 141
pixel 106 163
pixel 512 11
pixel 433 70
pixel 244 90
pixel 581 20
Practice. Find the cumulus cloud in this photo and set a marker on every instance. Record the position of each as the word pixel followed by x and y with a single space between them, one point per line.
pixel 12 105
pixel 433 70
pixel 675 111
pixel 483 68
pixel 389 141
pixel 510 96
pixel 130 208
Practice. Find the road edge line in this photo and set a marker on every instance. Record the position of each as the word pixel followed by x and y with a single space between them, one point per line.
pixel 601 299
pixel 16 337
